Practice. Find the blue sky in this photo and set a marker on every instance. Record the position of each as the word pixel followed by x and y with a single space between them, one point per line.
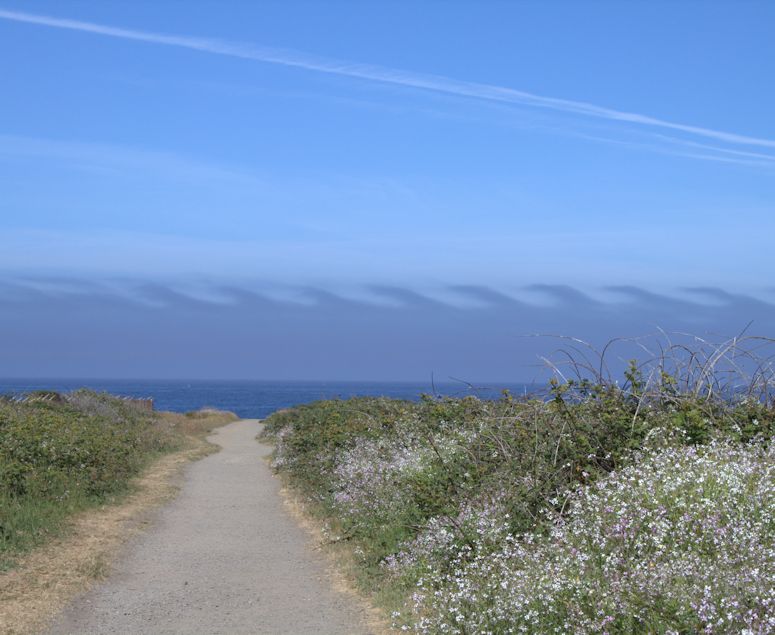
pixel 343 147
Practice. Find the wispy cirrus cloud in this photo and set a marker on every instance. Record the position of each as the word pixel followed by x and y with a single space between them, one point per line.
pixel 428 82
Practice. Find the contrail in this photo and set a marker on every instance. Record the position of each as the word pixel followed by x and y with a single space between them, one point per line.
pixel 373 73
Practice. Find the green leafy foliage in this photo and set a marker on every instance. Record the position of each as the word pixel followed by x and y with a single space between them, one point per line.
pixel 58 455
pixel 412 486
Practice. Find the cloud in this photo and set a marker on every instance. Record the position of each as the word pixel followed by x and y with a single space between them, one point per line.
pixel 73 327
pixel 355 258
pixel 397 77
pixel 485 295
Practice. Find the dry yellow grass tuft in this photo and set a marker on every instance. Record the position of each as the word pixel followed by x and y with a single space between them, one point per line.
pixel 45 580
pixel 196 424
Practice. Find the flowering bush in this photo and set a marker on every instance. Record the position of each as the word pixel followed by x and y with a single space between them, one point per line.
pixel 368 475
pixel 600 512
pixel 683 542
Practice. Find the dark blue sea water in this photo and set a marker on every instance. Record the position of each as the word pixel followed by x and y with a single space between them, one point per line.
pixel 252 398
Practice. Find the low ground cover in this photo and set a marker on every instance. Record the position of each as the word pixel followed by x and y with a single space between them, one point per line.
pixel 64 453
pixel 599 508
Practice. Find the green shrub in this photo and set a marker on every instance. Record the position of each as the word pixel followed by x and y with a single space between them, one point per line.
pixel 64 453
pixel 682 541
pixel 419 488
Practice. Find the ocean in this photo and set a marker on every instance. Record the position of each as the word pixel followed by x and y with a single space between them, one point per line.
pixel 255 399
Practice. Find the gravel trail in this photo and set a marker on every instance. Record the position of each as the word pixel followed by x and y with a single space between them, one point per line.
pixel 223 557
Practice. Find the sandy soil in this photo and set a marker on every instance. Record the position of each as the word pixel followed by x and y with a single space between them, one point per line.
pixel 224 557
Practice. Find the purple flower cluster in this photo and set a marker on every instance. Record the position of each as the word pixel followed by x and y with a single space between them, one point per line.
pixel 368 477
pixel 682 541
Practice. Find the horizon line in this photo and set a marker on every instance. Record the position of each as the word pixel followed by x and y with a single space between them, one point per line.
pixel 445 382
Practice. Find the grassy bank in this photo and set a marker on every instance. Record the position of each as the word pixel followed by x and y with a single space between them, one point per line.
pixel 602 508
pixel 67 453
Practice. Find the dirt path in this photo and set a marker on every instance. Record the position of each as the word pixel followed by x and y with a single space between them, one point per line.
pixel 223 557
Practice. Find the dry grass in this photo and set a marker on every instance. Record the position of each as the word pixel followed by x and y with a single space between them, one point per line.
pixel 341 568
pixel 45 580
pixel 196 424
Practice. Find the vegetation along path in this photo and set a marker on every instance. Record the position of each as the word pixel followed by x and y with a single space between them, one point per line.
pixel 223 557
